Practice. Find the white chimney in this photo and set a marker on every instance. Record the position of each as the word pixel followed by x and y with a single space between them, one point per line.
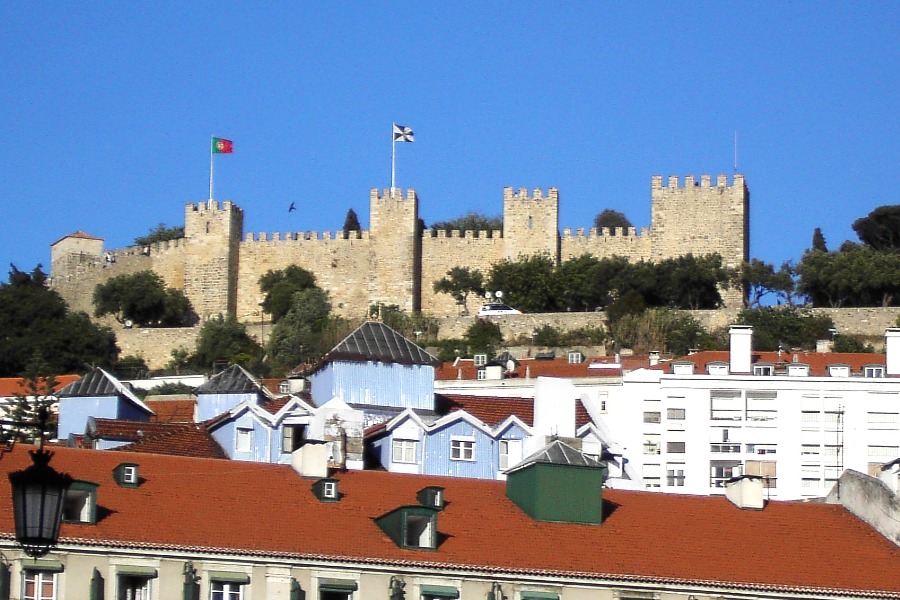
pixel 741 346
pixel 746 492
pixel 654 358
pixel 892 351
pixel 311 460
pixel 554 407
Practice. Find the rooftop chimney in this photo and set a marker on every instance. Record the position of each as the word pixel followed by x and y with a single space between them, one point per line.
pixel 654 358
pixel 741 346
pixel 892 351
pixel 311 460
pixel 745 492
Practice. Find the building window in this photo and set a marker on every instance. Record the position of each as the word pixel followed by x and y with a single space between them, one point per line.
pixel 675 414
pixel 888 452
pixel 651 417
pixel 725 448
pixel 765 469
pixel 462 449
pixel 226 590
pixel 284 387
pixel 133 587
pixel 726 405
pixel 651 476
pixel 873 371
pixel 419 531
pixel 809 416
pixel 761 448
pixel 882 420
pixel 721 471
pixel 439 592
pixel 510 453
pixel 242 439
pixel 39 585
pixel 651 443
pixel 337 589
pixel 480 360
pixel 292 437
pixel 810 449
pixel 675 474
pixel 675 447
pixel 481 374
pixel 80 505
pixel 763 370
pixel 404 451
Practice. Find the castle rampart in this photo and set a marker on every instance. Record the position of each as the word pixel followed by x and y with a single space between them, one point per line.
pixel 218 266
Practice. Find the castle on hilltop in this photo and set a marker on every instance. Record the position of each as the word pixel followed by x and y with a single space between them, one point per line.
pixel 218 266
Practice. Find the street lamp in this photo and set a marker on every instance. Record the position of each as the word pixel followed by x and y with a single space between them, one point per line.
pixel 39 493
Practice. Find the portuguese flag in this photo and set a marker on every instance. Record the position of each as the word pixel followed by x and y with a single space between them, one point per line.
pixel 222 146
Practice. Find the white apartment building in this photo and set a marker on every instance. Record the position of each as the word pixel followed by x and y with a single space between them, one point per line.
pixel 796 419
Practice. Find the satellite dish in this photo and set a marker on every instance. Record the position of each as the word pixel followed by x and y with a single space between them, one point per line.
pixel 129 324
pixel 487 295
pixel 499 294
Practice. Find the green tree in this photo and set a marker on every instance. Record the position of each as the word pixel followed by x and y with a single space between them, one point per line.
pixel 785 327
pixel 351 223
pixel 818 241
pixel 35 321
pixel 470 222
pixel 880 229
pixel 459 283
pixel 852 343
pixel 280 286
pixel 131 367
pixel 690 282
pixel 160 233
pixel 660 329
pixel 611 219
pixel 855 275
pixel 142 298
pixel 414 326
pixel 574 279
pixel 760 279
pixel 528 284
pixel 224 339
pixel 483 337
pixel 298 334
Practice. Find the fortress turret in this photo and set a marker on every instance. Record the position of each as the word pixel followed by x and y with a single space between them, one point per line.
pixel 531 223
pixel 213 236
pixel 395 248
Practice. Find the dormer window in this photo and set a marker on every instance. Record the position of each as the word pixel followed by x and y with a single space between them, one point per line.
pixel 481 374
pixel 432 496
pixel 284 387
pixel 126 475
pixel 717 368
pixel 326 490
pixel 80 505
pixel 413 527
pixel 764 370
pixel 839 370
pixel 797 370
pixel 683 368
pixel 873 371
pixel 576 358
pixel 480 360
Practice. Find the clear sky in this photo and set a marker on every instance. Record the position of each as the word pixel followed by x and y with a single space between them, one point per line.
pixel 107 109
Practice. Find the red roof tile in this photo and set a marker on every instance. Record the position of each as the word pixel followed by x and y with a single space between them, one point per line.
pixel 270 510
pixel 557 367
pixel 176 439
pixel 10 386
pixel 494 410
pixel 818 361
pixel 172 411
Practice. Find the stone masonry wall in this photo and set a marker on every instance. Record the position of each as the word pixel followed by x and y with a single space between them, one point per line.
pixel 440 253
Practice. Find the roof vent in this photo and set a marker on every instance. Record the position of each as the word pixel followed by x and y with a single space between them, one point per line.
pixel 126 475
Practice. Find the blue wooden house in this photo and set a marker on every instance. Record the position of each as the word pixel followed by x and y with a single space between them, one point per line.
pixel 97 394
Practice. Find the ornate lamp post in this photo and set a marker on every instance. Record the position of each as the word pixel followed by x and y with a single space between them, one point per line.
pixel 39 492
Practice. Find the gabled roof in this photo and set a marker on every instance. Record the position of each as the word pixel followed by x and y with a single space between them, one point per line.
pixel 494 410
pixel 10 386
pixel 172 411
pixel 233 380
pixel 818 361
pixel 801 549
pixel 177 439
pixel 78 234
pixel 375 341
pixel 98 383
pixel 558 453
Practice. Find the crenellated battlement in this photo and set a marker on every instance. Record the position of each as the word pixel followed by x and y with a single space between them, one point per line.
pixel 392 194
pixel 606 232
pixel 306 236
pixel 468 234
pixel 537 194
pixel 212 206
pixel 656 182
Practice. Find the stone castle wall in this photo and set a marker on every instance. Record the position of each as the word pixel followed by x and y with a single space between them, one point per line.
pixel 218 267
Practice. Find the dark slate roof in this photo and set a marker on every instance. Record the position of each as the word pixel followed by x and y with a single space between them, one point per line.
pixel 377 342
pixel 233 380
pixel 558 453
pixel 98 383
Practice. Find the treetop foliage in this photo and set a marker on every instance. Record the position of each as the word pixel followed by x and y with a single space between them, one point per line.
pixel 279 286
pixel 818 241
pixel 36 324
pixel 225 340
pixel 786 327
pixel 144 299
pixel 160 233
pixel 611 219
pixel 351 223
pixel 880 229
pixel 459 283
pixel 472 221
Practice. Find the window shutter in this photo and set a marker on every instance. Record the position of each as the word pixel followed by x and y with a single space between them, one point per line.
pixel 4 582
pixel 96 585
pixel 191 583
pixel 296 592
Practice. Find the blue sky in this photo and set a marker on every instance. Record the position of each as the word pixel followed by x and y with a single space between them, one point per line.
pixel 106 111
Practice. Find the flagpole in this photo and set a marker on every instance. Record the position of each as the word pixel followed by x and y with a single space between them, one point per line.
pixel 393 158
pixel 210 171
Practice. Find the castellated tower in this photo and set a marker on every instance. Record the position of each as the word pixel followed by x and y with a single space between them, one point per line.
pixel 395 249
pixel 530 223
pixel 701 218
pixel 213 235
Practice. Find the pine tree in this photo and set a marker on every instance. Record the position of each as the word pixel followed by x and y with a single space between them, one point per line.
pixel 351 223
pixel 818 241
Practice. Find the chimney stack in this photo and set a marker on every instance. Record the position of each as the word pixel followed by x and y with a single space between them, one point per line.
pixel 741 347
pixel 892 351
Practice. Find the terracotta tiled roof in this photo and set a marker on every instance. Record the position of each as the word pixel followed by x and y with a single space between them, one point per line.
pixel 176 439
pixel 818 361
pixel 493 411
pixel 10 386
pixel 172 411
pixel 805 548
pixel 557 367
pixel 78 234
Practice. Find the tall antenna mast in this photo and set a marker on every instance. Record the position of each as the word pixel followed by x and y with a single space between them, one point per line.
pixel 735 151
